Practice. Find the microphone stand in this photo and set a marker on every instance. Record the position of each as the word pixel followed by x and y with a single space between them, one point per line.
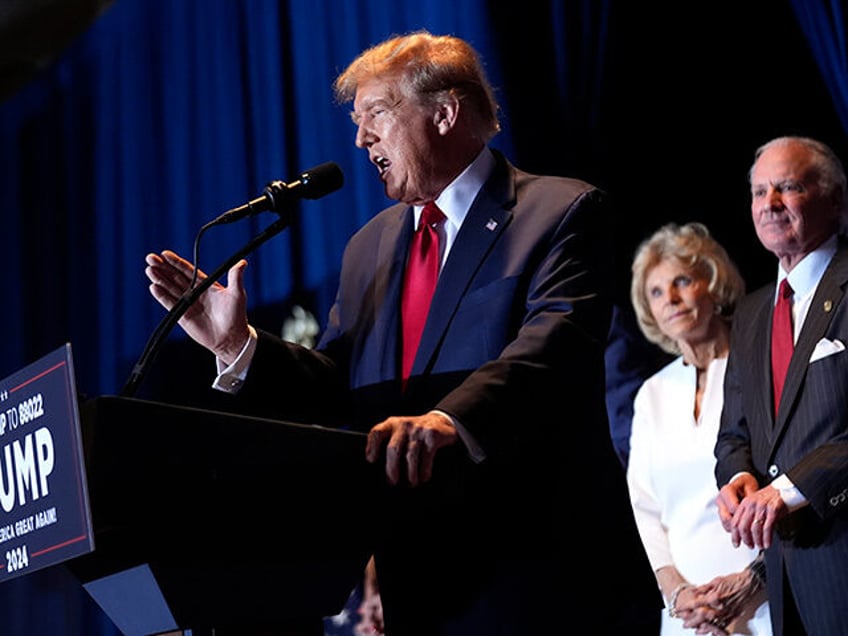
pixel 154 344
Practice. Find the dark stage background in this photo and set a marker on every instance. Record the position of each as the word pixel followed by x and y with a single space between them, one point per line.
pixel 127 125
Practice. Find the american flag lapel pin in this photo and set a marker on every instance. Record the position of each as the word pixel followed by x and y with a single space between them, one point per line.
pixel 491 225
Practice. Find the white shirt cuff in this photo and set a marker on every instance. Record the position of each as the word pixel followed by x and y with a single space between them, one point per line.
pixel 230 378
pixel 791 496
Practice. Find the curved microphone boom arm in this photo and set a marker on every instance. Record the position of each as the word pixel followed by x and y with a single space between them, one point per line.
pixel 154 344
pixel 310 184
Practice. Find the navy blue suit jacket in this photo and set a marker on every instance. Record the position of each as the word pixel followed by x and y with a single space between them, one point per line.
pixel 808 442
pixel 513 348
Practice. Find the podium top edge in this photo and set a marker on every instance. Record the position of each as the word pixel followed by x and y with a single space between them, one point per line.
pixel 116 399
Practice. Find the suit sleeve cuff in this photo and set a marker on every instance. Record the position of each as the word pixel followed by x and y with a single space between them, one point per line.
pixel 475 451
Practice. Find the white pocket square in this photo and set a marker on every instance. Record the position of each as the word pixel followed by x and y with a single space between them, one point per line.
pixel 825 347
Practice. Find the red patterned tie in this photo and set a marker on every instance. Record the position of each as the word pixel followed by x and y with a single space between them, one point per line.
pixel 781 339
pixel 422 272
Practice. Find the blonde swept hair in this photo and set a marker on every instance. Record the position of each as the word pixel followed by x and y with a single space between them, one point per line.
pixel 427 66
pixel 692 246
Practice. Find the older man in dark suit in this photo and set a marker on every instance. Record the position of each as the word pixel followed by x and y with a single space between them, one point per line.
pixel 490 428
pixel 783 445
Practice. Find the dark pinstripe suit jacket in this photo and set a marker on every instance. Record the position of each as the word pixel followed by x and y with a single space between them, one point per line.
pixel 808 442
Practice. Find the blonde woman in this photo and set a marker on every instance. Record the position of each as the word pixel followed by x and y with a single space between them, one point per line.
pixel 684 289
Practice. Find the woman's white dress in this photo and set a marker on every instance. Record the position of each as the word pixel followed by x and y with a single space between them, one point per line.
pixel 672 484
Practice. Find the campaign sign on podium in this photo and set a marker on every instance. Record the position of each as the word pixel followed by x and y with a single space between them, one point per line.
pixel 44 511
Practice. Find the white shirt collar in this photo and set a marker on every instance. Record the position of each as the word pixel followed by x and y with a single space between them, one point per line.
pixel 805 276
pixel 456 199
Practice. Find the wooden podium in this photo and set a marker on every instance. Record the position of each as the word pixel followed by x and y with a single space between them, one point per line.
pixel 206 520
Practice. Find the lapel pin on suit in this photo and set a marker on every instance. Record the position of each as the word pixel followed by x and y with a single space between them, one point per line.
pixel 491 225
pixel 828 305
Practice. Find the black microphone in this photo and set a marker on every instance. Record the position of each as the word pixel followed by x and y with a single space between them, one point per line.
pixel 311 184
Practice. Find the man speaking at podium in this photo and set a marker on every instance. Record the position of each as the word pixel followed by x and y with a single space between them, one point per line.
pixel 496 390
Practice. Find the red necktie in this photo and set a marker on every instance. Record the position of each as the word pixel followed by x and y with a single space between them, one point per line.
pixel 422 272
pixel 781 339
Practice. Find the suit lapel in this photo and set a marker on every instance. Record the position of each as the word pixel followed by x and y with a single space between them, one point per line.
pixel 486 219
pixel 392 249
pixel 760 349
pixel 829 294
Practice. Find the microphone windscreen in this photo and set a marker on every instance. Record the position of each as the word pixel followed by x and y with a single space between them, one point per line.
pixel 320 180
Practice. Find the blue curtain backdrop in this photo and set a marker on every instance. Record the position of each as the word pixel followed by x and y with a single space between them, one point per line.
pixel 823 22
pixel 165 113
pixel 162 116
